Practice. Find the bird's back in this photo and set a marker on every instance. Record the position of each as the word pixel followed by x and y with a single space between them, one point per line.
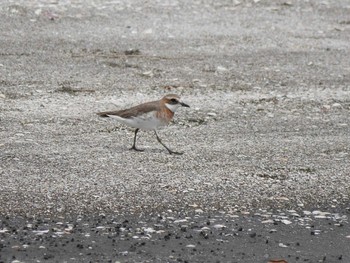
pixel 135 111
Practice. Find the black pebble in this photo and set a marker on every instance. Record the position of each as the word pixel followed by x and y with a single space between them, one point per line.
pixel 253 234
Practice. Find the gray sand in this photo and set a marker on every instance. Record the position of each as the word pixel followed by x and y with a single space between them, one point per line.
pixel 268 128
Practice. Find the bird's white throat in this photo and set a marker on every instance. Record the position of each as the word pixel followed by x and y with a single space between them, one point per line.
pixel 172 107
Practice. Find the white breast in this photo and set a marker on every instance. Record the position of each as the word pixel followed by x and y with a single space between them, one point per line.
pixel 147 121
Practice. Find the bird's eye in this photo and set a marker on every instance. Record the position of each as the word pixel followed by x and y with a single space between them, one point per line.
pixel 173 101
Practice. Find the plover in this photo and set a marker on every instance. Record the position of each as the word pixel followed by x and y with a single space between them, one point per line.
pixel 148 116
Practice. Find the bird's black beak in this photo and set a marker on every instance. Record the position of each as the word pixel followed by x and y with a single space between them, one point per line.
pixel 184 104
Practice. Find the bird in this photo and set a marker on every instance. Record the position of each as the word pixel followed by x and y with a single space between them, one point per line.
pixel 148 116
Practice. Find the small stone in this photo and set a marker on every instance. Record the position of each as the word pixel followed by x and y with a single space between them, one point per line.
pixel 219 226
pixel 2 96
pixel 148 31
pixel 268 221
pixel 149 230
pixel 286 222
pixel 252 235
pixel 183 228
pixel 221 69
pixel 282 245
pixel 191 246
pixel 148 73
pixel 337 106
pixel 40 232
pixel 212 114
pixel 180 221
pixel 38 11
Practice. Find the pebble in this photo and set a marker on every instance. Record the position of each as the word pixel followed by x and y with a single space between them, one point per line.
pixel 180 221
pixel 268 221
pixel 221 69
pixel 40 232
pixel 2 96
pixel 219 226
pixel 320 214
pixel 282 245
pixel 149 230
pixel 337 106
pixel 148 73
pixel 191 246
pixel 326 107
pixel 286 222
pixel 148 31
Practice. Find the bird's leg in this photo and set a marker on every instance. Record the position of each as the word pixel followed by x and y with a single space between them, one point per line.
pixel 134 145
pixel 160 141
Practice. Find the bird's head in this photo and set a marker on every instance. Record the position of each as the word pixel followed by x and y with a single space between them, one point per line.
pixel 173 102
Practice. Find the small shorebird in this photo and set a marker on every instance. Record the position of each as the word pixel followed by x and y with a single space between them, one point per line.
pixel 148 116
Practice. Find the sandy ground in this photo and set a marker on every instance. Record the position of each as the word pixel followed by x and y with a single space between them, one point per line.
pixel 266 139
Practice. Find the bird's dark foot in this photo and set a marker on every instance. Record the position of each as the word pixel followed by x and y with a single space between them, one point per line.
pixel 176 153
pixel 136 149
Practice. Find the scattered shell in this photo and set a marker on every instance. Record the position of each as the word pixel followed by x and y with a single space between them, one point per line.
pixel 149 230
pixel 148 73
pixel 40 232
pixel 337 105
pixel 286 222
pixel 326 107
pixel 221 69
pixel 180 221
pixel 269 221
pixel 282 245
pixel 191 246
pixel 148 31
pixel 219 226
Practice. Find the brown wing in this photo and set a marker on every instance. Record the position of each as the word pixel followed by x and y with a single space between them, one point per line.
pixel 134 111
